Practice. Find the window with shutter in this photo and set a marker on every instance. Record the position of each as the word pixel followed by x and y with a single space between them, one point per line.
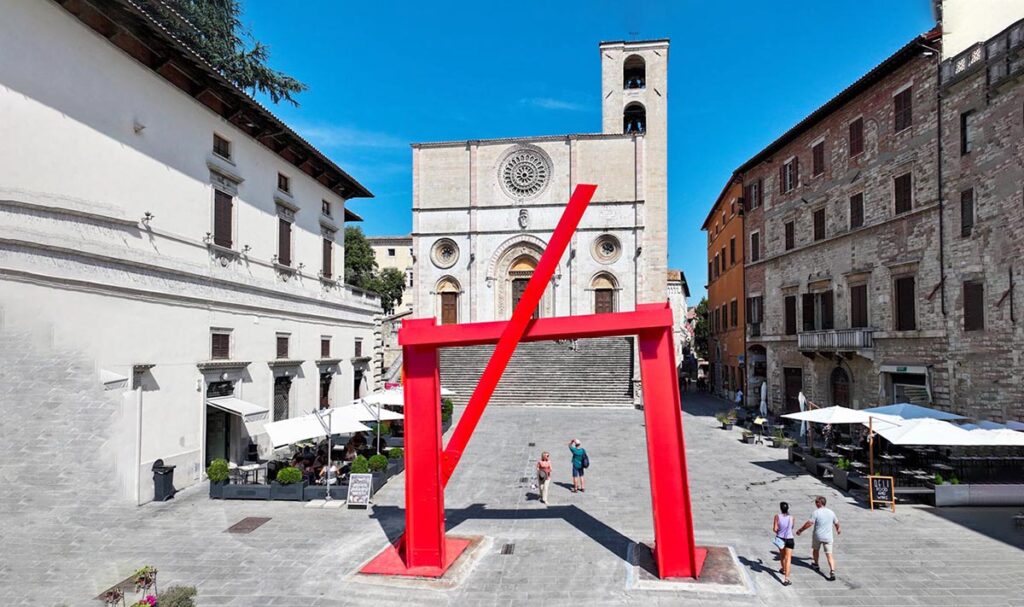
pixel 284 242
pixel 723 260
pixel 903 116
pixel 974 306
pixel 284 183
pixel 328 258
pixel 856 137
pixel 827 315
pixel 790 229
pixel 858 306
pixel 819 224
pixel 282 346
pixel 222 212
pixel 818 158
pixel 710 269
pixel 325 347
pixel 734 311
pixel 725 317
pixel 221 147
pixel 906 313
pixel 857 210
pixel 358 348
pixel 790 314
pixel 966 212
pixel 755 247
pixel 732 251
pixel 807 311
pixel 902 193
pixel 966 132
pixel 220 346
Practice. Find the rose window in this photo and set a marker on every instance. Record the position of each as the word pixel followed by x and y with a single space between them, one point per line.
pixel 525 172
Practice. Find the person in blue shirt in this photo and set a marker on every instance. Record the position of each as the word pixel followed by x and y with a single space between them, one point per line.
pixel 578 453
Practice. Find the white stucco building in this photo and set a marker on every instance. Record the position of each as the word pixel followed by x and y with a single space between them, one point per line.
pixel 678 293
pixel 160 221
pixel 483 210
pixel 395 252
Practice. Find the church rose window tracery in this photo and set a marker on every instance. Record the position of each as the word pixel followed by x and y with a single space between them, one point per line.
pixel 444 253
pixel 607 249
pixel 524 172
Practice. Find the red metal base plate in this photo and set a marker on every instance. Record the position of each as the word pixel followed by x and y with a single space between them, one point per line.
pixel 390 561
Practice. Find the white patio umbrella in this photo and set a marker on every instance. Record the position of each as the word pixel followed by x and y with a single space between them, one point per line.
pixel 831 415
pixel 395 396
pixel 764 398
pixel 803 407
pixel 928 431
pixel 318 424
pixel 912 411
pixel 366 412
pixel 998 438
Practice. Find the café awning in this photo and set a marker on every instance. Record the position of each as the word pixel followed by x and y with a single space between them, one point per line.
pixel 236 406
pixel 298 429
pixel 912 411
pixel 830 415
pixel 931 432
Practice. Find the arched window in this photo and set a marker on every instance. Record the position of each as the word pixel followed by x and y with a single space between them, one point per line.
pixel 634 73
pixel 448 300
pixel 840 388
pixel 604 286
pixel 634 119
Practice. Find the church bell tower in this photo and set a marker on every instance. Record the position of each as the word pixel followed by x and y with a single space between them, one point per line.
pixel 634 94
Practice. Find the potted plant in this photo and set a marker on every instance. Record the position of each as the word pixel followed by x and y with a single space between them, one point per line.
pixel 841 474
pixel 779 439
pixel 447 409
pixel 360 465
pixel 726 419
pixel 289 485
pixel 145 578
pixel 951 492
pixel 217 472
pixel 378 465
pixel 748 437
pixel 396 453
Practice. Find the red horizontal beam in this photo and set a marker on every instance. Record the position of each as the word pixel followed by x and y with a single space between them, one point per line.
pixel 645 317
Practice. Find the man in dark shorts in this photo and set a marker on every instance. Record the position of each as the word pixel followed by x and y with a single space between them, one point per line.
pixel 578 453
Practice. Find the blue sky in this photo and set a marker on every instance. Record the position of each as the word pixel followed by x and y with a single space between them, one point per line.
pixel 385 74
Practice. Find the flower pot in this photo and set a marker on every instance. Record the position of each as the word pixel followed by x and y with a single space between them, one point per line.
pixel 841 478
pixel 726 425
pixel 247 492
pixel 748 439
pixel 217 489
pixel 292 492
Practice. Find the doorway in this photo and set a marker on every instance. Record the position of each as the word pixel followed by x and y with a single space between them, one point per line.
pixel 840 388
pixel 449 308
pixel 325 389
pixel 518 288
pixel 604 301
pixel 218 423
pixel 282 390
pixel 794 385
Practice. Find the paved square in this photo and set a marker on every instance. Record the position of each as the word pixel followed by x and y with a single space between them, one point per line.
pixel 573 550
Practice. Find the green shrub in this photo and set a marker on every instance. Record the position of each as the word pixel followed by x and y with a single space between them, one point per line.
pixel 178 596
pixel 447 407
pixel 217 471
pixel 360 465
pixel 722 417
pixel 842 463
pixel 289 476
pixel 954 480
pixel 778 435
pixel 378 462
pixel 938 479
pixel 396 453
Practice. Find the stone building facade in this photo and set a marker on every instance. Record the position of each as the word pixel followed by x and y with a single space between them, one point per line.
pixel 726 312
pixel 483 210
pixel 159 222
pixel 678 293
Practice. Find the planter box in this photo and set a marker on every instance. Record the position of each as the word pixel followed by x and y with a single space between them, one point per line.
pixel 217 490
pixel 811 463
pixel 247 492
pixel 841 478
pixel 749 439
pixel 795 453
pixel 726 426
pixel 777 444
pixel 319 492
pixel 293 492
pixel 952 495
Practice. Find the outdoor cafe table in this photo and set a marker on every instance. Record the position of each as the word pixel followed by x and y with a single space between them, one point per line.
pixel 253 469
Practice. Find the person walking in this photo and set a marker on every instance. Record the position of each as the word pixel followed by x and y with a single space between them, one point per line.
pixel 824 521
pixel 579 454
pixel 783 525
pixel 544 476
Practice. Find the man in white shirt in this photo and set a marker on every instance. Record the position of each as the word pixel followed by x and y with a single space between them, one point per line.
pixel 824 521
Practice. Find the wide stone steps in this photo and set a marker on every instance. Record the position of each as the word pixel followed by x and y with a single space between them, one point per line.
pixel 587 372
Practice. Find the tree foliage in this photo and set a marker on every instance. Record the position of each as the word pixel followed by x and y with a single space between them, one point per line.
pixel 701 332
pixel 214 29
pixel 361 270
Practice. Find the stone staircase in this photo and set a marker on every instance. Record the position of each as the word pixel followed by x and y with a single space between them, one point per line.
pixel 585 372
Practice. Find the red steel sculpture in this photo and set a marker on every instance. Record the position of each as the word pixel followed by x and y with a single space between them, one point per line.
pixel 424 550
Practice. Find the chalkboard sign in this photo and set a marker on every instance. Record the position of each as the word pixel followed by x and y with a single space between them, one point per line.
pixel 360 487
pixel 882 489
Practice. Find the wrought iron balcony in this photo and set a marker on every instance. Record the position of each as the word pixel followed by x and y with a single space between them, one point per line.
pixel 836 340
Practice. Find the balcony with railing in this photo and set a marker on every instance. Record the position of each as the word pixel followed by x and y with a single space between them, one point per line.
pixel 836 340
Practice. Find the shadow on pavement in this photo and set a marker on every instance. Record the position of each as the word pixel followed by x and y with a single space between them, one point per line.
pixel 994 522
pixel 392 521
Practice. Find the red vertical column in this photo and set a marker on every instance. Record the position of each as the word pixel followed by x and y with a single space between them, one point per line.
pixel 674 547
pixel 423 544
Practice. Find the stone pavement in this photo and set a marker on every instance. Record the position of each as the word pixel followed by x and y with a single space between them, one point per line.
pixel 573 550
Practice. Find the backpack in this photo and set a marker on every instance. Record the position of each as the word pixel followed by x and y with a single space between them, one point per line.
pixel 586 460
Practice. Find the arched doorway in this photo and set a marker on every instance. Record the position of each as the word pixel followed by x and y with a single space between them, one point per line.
pixel 604 286
pixel 447 291
pixel 840 387
pixel 511 267
pixel 519 274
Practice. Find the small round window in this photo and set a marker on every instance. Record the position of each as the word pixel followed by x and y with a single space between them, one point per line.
pixel 445 253
pixel 607 248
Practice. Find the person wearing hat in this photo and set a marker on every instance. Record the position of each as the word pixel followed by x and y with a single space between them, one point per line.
pixel 578 454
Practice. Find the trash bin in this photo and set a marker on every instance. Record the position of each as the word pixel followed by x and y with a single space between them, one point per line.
pixel 163 481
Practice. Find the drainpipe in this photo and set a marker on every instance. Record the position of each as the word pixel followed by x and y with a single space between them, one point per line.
pixel 938 174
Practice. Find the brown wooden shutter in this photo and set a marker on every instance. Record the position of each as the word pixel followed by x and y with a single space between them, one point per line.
pixel 858 306
pixel 782 178
pixel 328 246
pixel 819 224
pixel 827 315
pixel 220 346
pixel 966 212
pixel 325 348
pixel 796 172
pixel 790 235
pixel 906 314
pixel 974 306
pixel 732 250
pixel 807 311
pixel 755 247
pixel 902 191
pixel 282 346
pixel 284 242
pixel 856 210
pixel 790 313
pixel 222 210
pixel 760 192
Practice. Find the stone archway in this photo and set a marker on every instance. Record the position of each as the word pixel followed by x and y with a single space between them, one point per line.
pixel 511 267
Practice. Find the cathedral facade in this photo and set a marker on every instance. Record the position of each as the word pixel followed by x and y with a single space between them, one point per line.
pixel 483 210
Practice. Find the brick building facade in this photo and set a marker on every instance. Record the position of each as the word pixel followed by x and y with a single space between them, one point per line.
pixel 724 225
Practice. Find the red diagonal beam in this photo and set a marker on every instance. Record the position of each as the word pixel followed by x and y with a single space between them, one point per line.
pixel 515 328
